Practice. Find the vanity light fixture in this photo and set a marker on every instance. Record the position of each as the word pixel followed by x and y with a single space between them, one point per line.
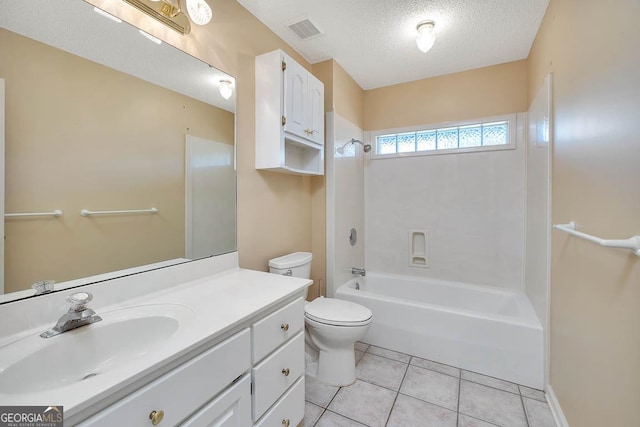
pixel 226 90
pixel 426 36
pixel 176 14
pixel 150 37
pixel 107 15
pixel 199 11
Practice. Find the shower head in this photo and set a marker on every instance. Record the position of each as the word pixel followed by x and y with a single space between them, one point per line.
pixel 365 147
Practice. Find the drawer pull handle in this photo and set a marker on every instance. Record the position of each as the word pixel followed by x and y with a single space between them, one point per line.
pixel 284 327
pixel 156 417
pixel 286 372
pixel 285 423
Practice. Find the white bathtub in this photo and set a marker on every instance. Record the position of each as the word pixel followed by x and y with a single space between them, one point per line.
pixel 483 329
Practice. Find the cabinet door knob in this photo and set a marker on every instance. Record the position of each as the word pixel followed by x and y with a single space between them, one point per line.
pixel 156 417
pixel 286 371
pixel 284 327
pixel 285 423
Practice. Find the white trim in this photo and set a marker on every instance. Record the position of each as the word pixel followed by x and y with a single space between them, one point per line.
pixel 523 139
pixel 2 207
pixel 547 332
pixel 512 119
pixel 330 200
pixel 556 410
pixel 188 183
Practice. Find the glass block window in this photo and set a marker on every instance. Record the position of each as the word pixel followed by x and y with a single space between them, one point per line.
pixel 492 135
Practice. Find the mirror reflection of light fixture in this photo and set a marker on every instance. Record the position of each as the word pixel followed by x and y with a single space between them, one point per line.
pixel 176 14
pixel 226 90
pixel 426 35
pixel 150 37
pixel 107 15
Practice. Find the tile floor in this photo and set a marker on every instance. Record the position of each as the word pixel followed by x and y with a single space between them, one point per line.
pixel 397 390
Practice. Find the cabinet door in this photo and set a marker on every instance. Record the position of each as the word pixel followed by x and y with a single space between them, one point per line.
pixel 316 110
pixel 295 99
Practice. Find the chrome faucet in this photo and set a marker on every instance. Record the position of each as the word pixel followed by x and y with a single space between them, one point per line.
pixel 361 271
pixel 78 315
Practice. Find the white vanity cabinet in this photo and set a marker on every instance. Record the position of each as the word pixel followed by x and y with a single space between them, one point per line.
pixel 256 376
pixel 289 116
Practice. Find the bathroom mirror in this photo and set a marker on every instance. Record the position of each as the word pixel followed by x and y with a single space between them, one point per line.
pixel 119 150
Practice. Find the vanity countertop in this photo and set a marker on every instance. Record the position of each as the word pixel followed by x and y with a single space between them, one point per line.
pixel 220 304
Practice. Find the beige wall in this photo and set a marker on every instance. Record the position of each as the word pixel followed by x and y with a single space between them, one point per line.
pixel 75 139
pixel 593 49
pixel 274 210
pixel 348 97
pixel 484 92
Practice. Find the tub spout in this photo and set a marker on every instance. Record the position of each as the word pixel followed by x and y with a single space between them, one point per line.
pixel 361 271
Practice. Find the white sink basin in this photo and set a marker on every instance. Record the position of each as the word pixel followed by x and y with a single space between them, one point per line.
pixel 34 364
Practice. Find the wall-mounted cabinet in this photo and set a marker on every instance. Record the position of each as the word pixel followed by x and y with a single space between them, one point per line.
pixel 289 116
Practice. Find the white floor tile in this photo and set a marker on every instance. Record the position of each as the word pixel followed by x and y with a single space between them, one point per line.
pixel 330 419
pixel 492 405
pixel 311 414
pixel 389 354
pixel 366 403
pixel 430 393
pixel 490 381
pixel 466 421
pixel 408 411
pixel 430 386
pixel 381 371
pixel 360 346
pixel 538 413
pixel 318 393
pixel 532 393
pixel 435 366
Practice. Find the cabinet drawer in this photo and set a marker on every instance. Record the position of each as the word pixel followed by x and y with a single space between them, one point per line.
pixel 269 379
pixel 231 409
pixel 270 332
pixel 183 390
pixel 288 411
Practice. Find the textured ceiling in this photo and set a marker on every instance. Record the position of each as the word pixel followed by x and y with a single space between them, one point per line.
pixel 73 26
pixel 374 40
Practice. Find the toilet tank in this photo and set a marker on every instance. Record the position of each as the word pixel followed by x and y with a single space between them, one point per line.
pixel 297 264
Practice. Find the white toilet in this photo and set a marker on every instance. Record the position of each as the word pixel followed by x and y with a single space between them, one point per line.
pixel 332 327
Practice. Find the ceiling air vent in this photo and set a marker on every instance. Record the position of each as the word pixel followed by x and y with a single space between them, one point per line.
pixel 304 28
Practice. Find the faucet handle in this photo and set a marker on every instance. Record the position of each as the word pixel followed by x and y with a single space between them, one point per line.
pixel 44 286
pixel 79 300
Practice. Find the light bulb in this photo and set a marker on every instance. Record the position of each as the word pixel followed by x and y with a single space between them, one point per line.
pixel 426 35
pixel 199 11
pixel 226 90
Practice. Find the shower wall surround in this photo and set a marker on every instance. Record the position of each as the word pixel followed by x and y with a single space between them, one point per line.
pixel 471 205
pixel 345 201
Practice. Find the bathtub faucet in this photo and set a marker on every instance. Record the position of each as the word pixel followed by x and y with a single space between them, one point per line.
pixel 361 271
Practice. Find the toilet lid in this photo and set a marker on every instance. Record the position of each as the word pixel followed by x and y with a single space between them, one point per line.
pixel 337 312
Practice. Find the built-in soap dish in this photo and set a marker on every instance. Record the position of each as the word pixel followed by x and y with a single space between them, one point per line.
pixel 418 249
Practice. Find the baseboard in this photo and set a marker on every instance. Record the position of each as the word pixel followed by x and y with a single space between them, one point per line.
pixel 556 410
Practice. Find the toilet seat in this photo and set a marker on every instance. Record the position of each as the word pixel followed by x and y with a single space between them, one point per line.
pixel 337 312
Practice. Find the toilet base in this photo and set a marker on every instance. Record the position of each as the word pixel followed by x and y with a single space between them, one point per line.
pixel 337 367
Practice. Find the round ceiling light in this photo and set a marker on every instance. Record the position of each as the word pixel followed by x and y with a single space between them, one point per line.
pixel 426 35
pixel 226 90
